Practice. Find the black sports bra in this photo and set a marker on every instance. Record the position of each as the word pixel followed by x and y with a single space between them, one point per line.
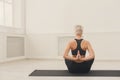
pixel 82 52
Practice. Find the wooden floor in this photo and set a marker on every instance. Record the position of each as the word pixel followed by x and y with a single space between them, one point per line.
pixel 19 70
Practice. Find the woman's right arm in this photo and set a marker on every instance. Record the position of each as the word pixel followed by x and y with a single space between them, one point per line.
pixel 67 49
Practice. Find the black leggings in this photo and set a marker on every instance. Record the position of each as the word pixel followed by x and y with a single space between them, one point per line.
pixel 83 67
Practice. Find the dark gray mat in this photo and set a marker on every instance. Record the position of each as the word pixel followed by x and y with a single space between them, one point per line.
pixel 65 73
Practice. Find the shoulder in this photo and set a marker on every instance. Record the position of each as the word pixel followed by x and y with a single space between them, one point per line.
pixel 71 41
pixel 86 42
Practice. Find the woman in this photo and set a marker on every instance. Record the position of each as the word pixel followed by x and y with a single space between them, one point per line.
pixel 79 62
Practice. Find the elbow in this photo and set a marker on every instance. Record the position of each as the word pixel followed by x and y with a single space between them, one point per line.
pixel 64 56
pixel 92 56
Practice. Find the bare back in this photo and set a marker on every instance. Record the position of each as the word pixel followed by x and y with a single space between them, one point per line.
pixel 73 45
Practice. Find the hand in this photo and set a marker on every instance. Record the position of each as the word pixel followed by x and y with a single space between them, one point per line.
pixel 79 58
pixel 78 55
pixel 75 58
pixel 83 59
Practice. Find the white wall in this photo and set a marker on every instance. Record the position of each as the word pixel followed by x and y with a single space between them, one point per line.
pixel 59 16
pixel 18 29
pixel 47 19
pixel 4 47
pixel 106 45
pixel 18 17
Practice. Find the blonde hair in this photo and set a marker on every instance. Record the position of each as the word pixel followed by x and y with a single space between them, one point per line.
pixel 78 29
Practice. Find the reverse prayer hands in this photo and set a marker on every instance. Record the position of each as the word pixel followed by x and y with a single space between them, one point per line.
pixel 79 58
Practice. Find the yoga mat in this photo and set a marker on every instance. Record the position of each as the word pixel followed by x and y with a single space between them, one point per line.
pixel 65 73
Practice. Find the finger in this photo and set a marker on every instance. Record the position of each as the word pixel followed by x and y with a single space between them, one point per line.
pixel 78 52
pixel 77 56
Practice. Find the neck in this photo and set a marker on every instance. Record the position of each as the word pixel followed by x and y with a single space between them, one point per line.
pixel 78 36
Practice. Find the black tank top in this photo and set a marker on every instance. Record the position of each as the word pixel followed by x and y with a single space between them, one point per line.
pixel 82 52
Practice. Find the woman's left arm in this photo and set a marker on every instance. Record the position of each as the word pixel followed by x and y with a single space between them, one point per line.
pixel 91 52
